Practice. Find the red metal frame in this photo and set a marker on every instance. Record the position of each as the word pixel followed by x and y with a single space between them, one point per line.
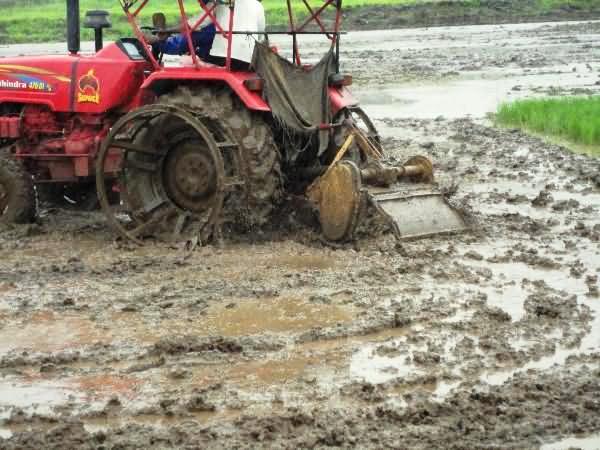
pixel 296 54
pixel 187 29
pixel 229 36
pixel 315 15
pixel 312 13
pixel 209 13
pixel 187 32
pixel 137 11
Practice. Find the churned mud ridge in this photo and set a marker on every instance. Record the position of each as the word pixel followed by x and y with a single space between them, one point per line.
pixel 480 418
pixel 458 12
pixel 289 343
pixel 441 13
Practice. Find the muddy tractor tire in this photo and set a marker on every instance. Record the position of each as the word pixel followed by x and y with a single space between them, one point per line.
pixel 259 158
pixel 17 193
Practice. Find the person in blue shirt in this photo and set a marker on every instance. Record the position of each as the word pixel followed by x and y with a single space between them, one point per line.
pixel 176 44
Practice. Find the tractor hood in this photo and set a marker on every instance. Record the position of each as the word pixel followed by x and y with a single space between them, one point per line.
pixel 73 83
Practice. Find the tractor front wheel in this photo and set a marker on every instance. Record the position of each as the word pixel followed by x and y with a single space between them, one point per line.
pixel 17 194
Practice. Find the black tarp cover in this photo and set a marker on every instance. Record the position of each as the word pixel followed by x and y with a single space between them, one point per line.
pixel 298 96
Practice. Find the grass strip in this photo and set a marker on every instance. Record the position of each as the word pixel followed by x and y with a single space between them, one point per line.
pixel 574 119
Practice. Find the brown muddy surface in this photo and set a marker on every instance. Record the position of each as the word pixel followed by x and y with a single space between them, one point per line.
pixel 428 13
pixel 486 339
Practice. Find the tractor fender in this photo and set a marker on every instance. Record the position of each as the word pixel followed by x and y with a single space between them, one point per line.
pixel 340 98
pixel 235 80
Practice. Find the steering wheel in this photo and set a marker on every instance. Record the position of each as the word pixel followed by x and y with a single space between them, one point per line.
pixel 158 55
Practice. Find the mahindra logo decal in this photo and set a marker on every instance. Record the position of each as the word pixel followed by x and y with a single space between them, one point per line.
pixel 89 88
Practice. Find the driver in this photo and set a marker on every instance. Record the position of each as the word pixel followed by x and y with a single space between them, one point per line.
pixel 249 15
pixel 177 44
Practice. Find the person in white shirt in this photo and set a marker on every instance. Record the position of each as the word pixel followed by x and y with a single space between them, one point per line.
pixel 249 15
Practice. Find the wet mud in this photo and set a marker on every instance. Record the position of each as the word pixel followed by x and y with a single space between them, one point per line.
pixel 434 13
pixel 457 12
pixel 489 338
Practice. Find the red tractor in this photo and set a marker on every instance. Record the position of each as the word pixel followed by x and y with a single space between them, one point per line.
pixel 179 151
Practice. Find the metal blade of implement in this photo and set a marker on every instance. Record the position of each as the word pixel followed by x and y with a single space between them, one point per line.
pixel 418 214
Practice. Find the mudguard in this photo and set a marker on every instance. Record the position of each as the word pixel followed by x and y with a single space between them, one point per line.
pixel 235 80
pixel 341 97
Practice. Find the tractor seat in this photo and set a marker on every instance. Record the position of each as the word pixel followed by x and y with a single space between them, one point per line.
pixel 187 61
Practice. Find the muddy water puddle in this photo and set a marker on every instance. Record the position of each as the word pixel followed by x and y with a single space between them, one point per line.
pixel 275 315
pixel 258 379
pixel 375 358
pixel 531 188
pixel 368 365
pixel 233 317
pixel 589 345
pixel 47 391
pixel 302 262
pixel 322 360
pixel 524 35
pixel 512 280
pixel 514 197
pixel 453 99
pixel 327 362
pixel 6 287
pixel 511 294
pixel 44 394
pixel 582 443
pixel 49 331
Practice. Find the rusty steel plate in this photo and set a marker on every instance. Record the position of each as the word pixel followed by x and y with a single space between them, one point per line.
pixel 419 214
pixel 340 200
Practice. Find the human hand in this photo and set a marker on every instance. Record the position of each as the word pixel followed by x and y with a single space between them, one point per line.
pixel 162 36
pixel 151 38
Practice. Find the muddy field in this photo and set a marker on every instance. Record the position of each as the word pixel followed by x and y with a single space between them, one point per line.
pixel 460 12
pixel 485 339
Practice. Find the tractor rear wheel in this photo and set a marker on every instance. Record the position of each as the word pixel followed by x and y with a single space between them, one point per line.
pixel 258 157
pixel 17 194
pixel 186 166
pixel 169 169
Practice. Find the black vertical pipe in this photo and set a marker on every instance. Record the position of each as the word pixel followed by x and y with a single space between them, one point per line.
pixel 337 53
pixel 73 37
pixel 98 39
pixel 295 47
pixel 337 36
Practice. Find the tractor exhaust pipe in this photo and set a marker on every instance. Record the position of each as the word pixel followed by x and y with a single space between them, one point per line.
pixel 97 21
pixel 73 36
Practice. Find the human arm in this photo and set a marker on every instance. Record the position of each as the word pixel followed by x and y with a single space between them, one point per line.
pixel 173 45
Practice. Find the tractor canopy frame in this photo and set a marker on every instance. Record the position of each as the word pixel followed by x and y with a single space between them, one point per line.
pixel 133 8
